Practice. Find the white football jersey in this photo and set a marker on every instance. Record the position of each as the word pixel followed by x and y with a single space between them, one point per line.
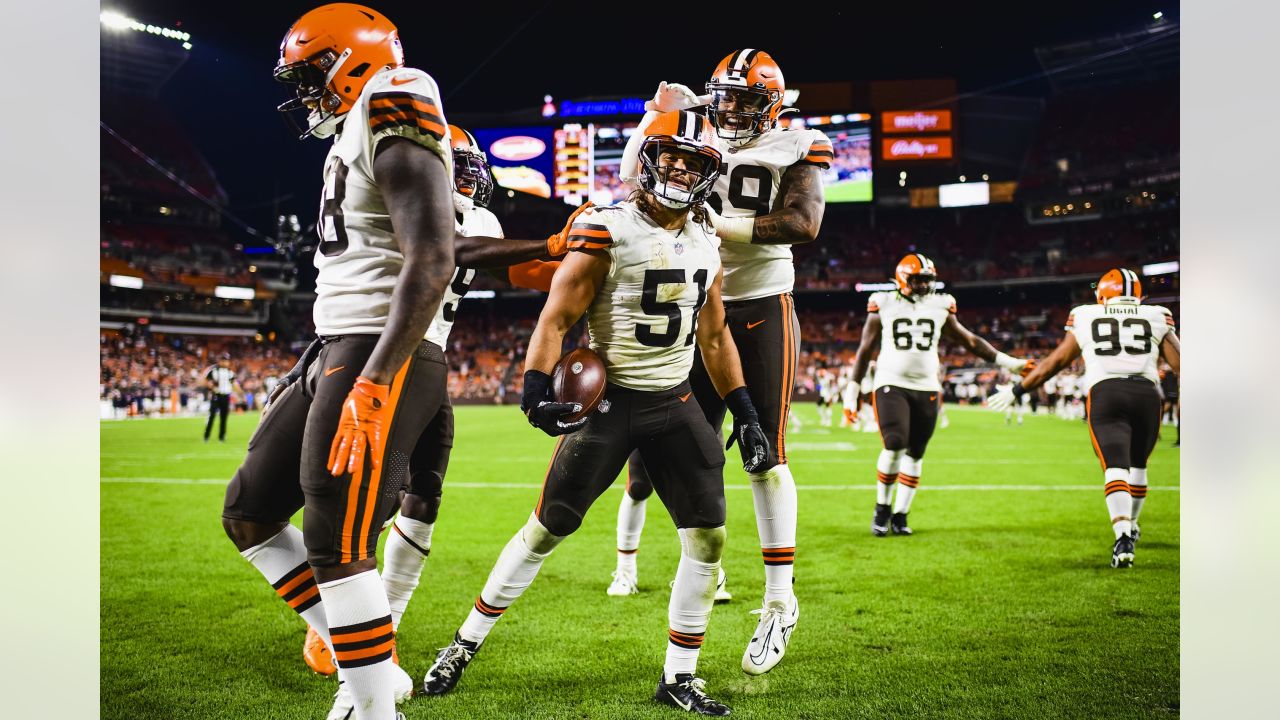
pixel 358 258
pixel 1119 339
pixel 643 321
pixel 909 332
pixel 748 186
pixel 477 221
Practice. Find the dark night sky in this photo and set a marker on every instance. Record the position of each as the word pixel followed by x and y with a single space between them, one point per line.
pixel 225 96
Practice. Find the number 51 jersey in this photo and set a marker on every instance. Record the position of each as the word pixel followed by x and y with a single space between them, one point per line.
pixel 909 332
pixel 359 259
pixel 1119 339
pixel 643 321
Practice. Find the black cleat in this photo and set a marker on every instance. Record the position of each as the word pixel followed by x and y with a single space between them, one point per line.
pixel 687 694
pixel 1122 552
pixel 447 669
pixel 880 523
pixel 898 524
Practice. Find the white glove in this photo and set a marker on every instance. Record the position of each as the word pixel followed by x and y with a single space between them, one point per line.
pixel 671 97
pixel 1010 363
pixel 731 229
pixel 462 203
pixel 1002 400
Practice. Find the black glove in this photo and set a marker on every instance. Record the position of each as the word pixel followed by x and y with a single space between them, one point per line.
pixel 543 413
pixel 752 443
pixel 298 372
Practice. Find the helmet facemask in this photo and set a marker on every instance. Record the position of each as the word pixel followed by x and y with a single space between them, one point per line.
pixel 921 284
pixel 472 177
pixel 310 79
pixel 677 187
pixel 740 114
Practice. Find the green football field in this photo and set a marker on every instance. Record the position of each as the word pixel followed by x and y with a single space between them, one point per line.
pixel 1002 605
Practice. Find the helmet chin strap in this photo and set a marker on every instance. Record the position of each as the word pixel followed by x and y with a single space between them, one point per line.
pixel 322 125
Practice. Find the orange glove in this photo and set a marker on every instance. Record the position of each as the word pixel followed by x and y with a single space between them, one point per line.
pixel 557 244
pixel 1026 369
pixel 360 429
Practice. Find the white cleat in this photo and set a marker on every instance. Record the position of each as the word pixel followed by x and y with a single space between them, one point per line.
pixel 722 595
pixel 769 643
pixel 344 702
pixel 624 584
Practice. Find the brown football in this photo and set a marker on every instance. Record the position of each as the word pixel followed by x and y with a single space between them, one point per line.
pixel 578 377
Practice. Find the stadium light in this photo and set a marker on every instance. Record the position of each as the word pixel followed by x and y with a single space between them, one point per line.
pixel 1157 16
pixel 125 281
pixel 1163 268
pixel 114 20
pixel 230 292
pixel 481 294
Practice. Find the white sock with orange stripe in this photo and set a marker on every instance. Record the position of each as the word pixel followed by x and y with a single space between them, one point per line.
pixel 360 623
pixel 630 524
pixel 515 570
pixel 1119 501
pixel 692 598
pixel 886 475
pixel 408 545
pixel 1137 490
pixel 908 482
pixel 282 560
pixel 774 494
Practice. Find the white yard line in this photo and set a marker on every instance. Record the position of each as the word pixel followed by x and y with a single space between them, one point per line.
pixel 619 486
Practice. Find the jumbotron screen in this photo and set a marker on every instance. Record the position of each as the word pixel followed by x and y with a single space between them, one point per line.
pixel 849 179
pixel 582 160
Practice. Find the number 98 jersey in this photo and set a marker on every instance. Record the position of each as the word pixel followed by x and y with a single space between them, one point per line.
pixel 643 321
pixel 359 259
pixel 1120 339
pixel 909 332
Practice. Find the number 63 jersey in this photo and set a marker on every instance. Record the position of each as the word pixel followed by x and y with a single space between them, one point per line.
pixel 643 321
pixel 909 332
pixel 1120 339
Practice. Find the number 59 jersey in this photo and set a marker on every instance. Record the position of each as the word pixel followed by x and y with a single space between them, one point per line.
pixel 1120 339
pixel 909 332
pixel 643 321
pixel 359 259
pixel 749 184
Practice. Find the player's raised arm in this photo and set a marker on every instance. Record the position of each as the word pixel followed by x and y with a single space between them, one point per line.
pixel 574 287
pixel 720 355
pixel 866 345
pixel 417 188
pixel 979 346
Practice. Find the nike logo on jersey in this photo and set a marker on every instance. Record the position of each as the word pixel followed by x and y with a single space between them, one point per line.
pixel 685 397
pixel 331 371
pixel 687 706
pixel 752 325
pixel 401 80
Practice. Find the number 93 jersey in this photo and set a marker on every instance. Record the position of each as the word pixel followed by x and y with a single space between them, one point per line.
pixel 1119 339
pixel 643 321
pixel 748 186
pixel 358 258
pixel 475 222
pixel 909 332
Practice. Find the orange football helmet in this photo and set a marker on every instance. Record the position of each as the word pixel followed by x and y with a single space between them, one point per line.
pixel 689 138
pixel 1118 283
pixel 471 174
pixel 328 56
pixel 915 275
pixel 746 95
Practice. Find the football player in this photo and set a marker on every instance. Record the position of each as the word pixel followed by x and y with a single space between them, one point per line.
pixel 479 244
pixel 906 324
pixel 647 274
pixel 768 197
pixel 338 443
pixel 1121 341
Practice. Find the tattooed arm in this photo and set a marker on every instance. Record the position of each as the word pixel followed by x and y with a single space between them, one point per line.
pixel 797 216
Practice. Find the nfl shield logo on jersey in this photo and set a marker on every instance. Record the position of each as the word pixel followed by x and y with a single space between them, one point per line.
pixel 679 248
